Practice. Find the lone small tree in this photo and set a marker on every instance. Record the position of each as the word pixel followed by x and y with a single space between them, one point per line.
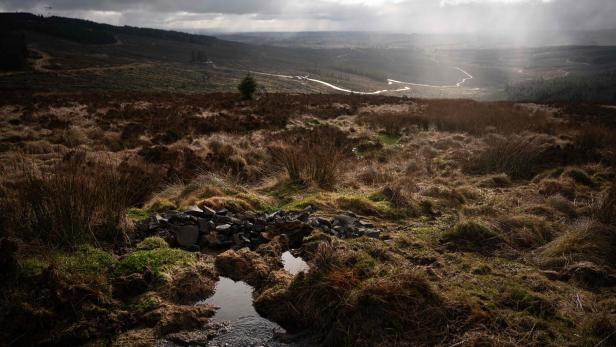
pixel 247 87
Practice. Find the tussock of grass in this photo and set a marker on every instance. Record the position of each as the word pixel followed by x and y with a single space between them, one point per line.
pixel 562 205
pixel 519 157
pixel 158 204
pixel 210 190
pixel 495 181
pixel 605 208
pixel 564 187
pixel 590 241
pixel 526 232
pixel 599 330
pixel 471 237
pixel 521 299
pixel 240 202
pixel 579 176
pixel 343 294
pixel 312 156
pixel 363 205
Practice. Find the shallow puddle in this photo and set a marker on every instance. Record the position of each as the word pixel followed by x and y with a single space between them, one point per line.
pixel 246 327
pixel 293 264
pixel 233 298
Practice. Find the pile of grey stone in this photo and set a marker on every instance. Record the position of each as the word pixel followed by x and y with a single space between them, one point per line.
pixel 346 225
pixel 200 226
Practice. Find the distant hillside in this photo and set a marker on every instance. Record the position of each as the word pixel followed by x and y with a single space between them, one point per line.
pixel 590 88
pixel 87 32
pixel 54 53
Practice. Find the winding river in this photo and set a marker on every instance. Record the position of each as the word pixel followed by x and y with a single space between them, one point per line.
pixel 389 81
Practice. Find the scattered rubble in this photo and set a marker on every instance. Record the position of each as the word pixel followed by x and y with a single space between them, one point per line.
pixel 200 226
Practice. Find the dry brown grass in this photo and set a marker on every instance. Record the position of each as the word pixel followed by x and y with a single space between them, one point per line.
pixel 474 117
pixel 481 117
pixel 392 123
pixel 520 157
pixel 78 200
pixel 312 156
pixel 311 163
pixel 604 209
pixel 526 232
pixel 585 241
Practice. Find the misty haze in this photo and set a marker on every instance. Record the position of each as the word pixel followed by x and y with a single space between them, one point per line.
pixel 308 173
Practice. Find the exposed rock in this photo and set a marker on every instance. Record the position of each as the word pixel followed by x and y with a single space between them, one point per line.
pixel 186 235
pixel 200 226
pixel 224 228
pixel 195 211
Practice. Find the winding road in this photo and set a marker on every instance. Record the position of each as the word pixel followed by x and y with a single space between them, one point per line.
pixel 389 81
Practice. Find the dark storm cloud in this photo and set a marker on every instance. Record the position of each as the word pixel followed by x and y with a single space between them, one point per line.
pixel 517 17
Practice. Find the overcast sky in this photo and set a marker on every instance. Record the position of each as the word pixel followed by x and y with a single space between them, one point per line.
pixel 406 16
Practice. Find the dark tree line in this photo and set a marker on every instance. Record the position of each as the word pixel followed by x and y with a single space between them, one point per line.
pixel 75 30
pixel 87 32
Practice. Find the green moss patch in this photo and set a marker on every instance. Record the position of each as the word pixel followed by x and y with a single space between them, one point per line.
pixel 158 260
pixel 85 260
pixel 137 213
pixel 153 242
pixel 389 139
